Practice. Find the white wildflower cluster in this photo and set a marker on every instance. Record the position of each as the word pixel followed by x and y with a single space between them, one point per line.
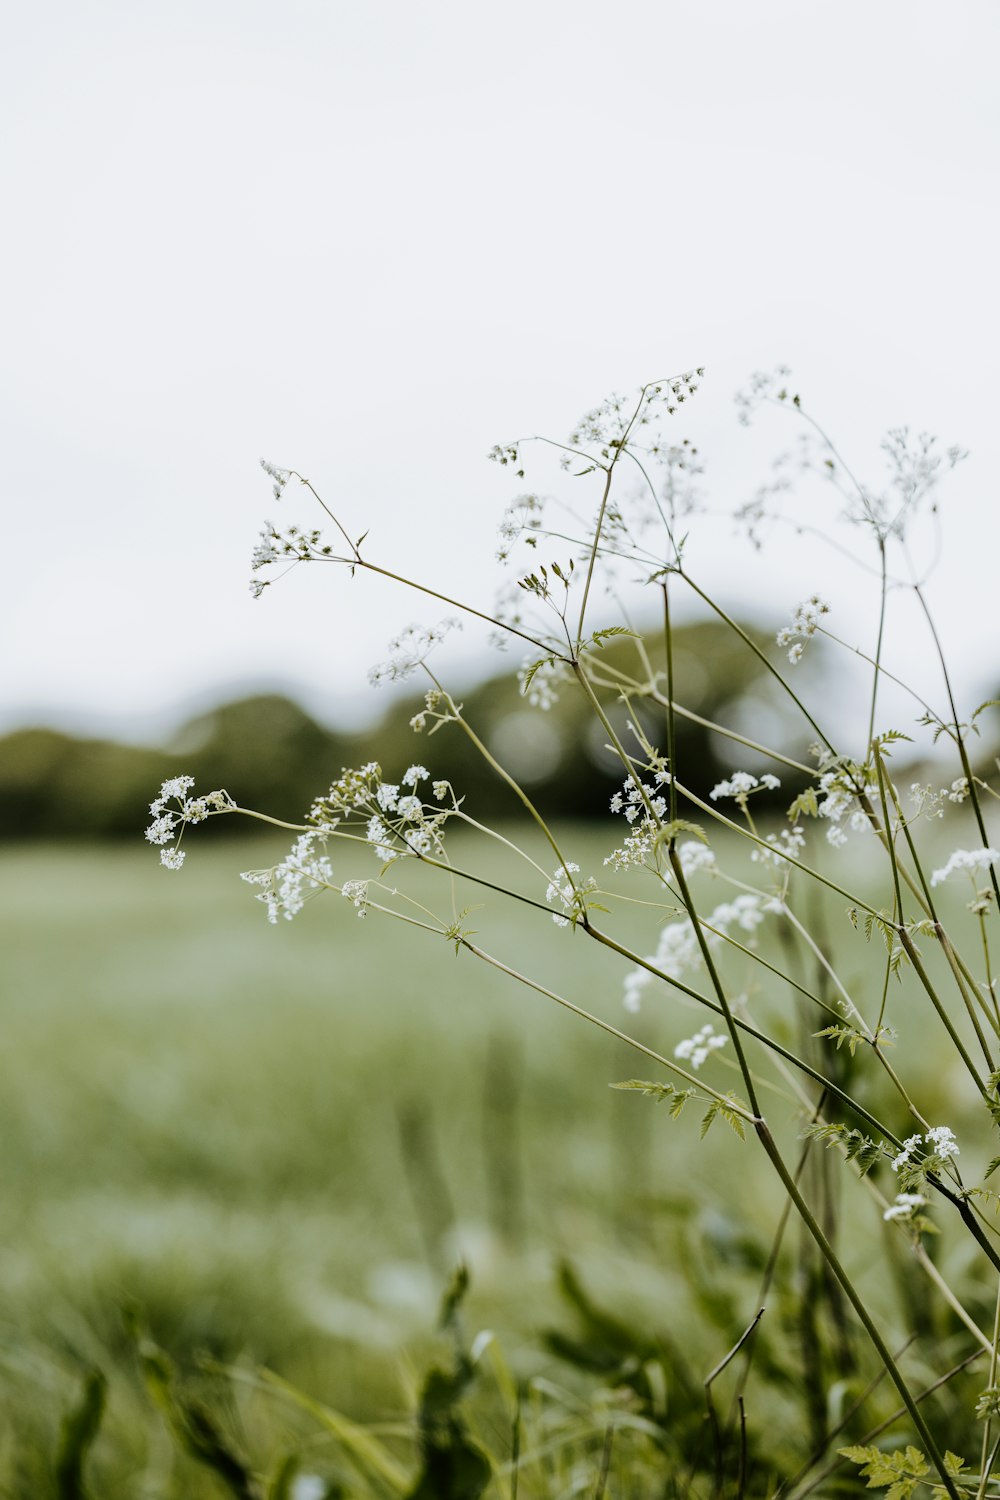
pixel 291 545
pixel 396 821
pixel 905 1206
pixel 679 950
pixel 805 623
pixel 356 891
pixel 433 713
pixel 523 517
pixel 644 806
pixel 929 802
pixel 409 650
pixel 302 873
pixel 279 477
pixel 836 801
pixel 698 1048
pixel 567 893
pixel 540 683
pixel 695 857
pixel 915 466
pixel 940 1139
pixel 741 784
pixel 973 861
pixel 169 822
pixel 634 796
pixel 787 844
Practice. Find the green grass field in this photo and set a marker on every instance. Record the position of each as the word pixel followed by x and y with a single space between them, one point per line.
pixel 276 1141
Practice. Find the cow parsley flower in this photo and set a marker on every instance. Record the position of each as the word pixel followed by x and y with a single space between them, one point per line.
pixel 695 856
pixel 698 1048
pixel 940 1139
pixel 302 873
pixel 679 950
pixel 905 1206
pixel 740 785
pixel 410 649
pixel 169 822
pixel 972 860
pixel 805 623
pixel 787 844
pixel 562 890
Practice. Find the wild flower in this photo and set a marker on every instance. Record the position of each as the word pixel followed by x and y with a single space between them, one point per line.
pixel 410 649
pixel 637 534
pixel 805 623
pixel 740 785
pixel 679 950
pixel 569 894
pixel 356 891
pixel 699 1048
pixel 940 1139
pixel 695 857
pixel 169 822
pixel 300 874
pixel 971 860
pixel 786 844
pixel 905 1206
pixel 280 477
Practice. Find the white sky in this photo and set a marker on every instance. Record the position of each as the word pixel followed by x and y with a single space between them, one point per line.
pixel 371 240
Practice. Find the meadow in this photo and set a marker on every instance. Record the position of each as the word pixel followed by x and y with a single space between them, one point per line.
pixel 270 1146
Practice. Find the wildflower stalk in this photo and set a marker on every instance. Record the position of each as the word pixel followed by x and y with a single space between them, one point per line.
pixel 883 594
pixel 857 1302
pixel 769 665
pixel 938 1004
pixel 620 1036
pixel 649 691
pixel 959 738
pixel 505 776
pixel 619 445
pixel 985 1463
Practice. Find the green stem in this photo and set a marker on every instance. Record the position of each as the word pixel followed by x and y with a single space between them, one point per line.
pixel 850 1291
pixel 759 654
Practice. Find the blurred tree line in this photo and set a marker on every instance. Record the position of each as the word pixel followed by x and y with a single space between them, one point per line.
pixel 272 756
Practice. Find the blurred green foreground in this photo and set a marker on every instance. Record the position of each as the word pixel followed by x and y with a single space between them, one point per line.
pixel 275 1142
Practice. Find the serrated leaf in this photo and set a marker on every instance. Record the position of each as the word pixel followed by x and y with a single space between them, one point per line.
pixel 600 636
pixel 536 666
pixel 805 802
pixel 646 1086
pixel 843 1034
pixel 660 1092
pixel 669 831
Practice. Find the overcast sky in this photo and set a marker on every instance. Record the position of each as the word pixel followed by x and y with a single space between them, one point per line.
pixel 371 240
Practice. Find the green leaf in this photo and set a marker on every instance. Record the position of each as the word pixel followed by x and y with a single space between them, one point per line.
pixel 902 1472
pixel 858 1147
pixel 526 681
pixel 667 834
pixel 805 802
pixel 660 1092
pixel 842 1034
pixel 600 636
